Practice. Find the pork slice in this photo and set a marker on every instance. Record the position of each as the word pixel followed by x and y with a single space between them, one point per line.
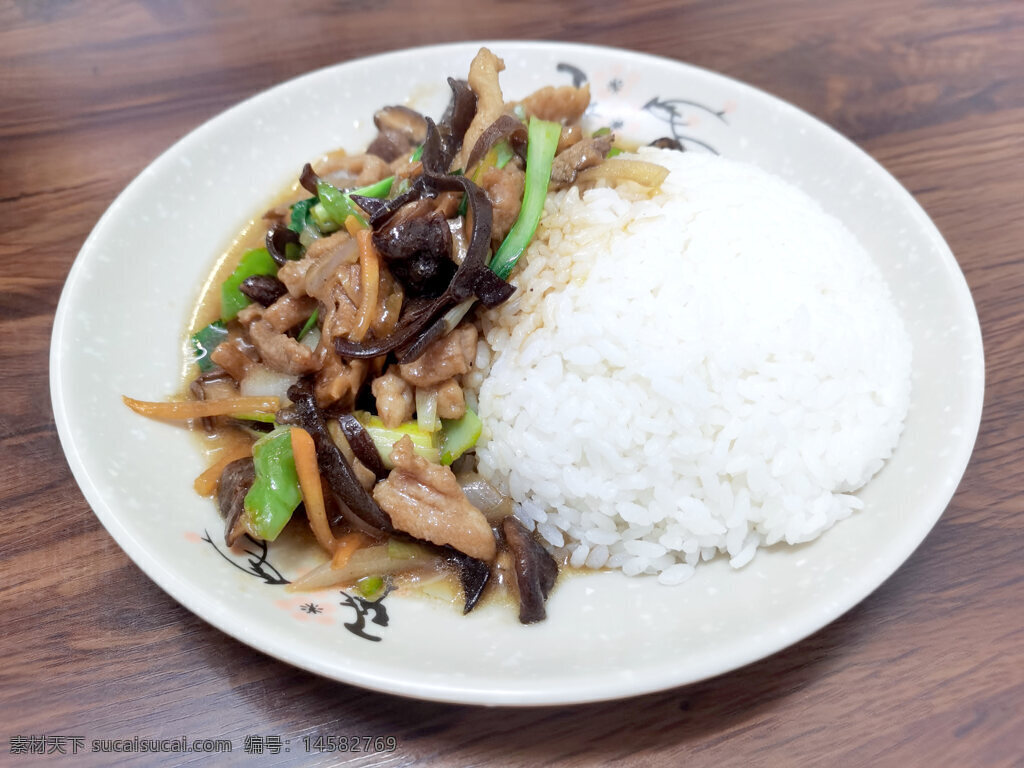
pixel 425 501
pixel 449 356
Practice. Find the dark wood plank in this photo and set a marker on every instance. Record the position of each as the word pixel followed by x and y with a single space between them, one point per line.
pixel 927 671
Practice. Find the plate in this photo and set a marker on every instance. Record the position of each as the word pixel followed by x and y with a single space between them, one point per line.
pixel 119 330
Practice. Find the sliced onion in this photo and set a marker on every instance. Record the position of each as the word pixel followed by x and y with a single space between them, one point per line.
pixel 325 269
pixel 485 497
pixel 311 339
pixel 426 409
pixel 261 381
pixel 454 315
pixel 370 561
pixel 460 239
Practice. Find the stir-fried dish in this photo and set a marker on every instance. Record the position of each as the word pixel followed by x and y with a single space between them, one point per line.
pixel 340 356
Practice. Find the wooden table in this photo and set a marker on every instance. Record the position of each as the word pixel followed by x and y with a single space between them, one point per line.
pixel 928 671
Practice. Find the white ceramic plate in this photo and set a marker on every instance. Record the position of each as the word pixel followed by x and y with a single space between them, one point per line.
pixel 120 325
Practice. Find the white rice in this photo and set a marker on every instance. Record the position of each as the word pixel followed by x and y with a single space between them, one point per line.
pixel 709 371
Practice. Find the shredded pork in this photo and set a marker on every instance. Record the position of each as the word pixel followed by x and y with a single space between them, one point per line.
pixel 268 329
pixel 425 500
pixel 451 400
pixel 563 104
pixel 449 356
pixel 483 79
pixel 395 399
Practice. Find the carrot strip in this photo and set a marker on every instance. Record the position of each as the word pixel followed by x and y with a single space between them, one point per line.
pixel 304 453
pixel 197 409
pixel 369 283
pixel 346 547
pixel 353 225
pixel 206 483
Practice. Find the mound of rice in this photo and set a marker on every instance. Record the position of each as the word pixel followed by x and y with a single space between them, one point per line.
pixel 708 371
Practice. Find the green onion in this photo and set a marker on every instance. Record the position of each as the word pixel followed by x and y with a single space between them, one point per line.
pixel 310 324
pixel 459 435
pixel 335 206
pixel 255 262
pixel 323 220
pixel 378 190
pixel 504 154
pixel 275 494
pixel 405 550
pixel 601 132
pixel 266 418
pixel 205 340
pixel 540 153
pixel 613 152
pixel 370 586
pixel 417 154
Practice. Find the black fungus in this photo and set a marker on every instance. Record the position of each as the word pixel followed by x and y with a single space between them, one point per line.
pixel 352 497
pixel 536 570
pixel 456 120
pixel 414 323
pixel 401 240
pixel 279 237
pixel 471 277
pixel 505 127
pixel 371 206
pixel 263 289
pixel 287 417
pixel 235 482
pixel 473 576
pixel 417 252
pixel 255 426
pixel 308 179
pixel 362 445
pixel 666 142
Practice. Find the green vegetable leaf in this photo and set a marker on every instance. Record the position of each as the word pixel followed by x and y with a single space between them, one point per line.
pixel 205 340
pixel 299 212
pixel 255 262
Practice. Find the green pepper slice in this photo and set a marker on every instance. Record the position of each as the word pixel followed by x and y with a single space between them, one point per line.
pixel 275 494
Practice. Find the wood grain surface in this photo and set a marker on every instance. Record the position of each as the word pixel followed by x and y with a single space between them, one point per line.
pixel 928 671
